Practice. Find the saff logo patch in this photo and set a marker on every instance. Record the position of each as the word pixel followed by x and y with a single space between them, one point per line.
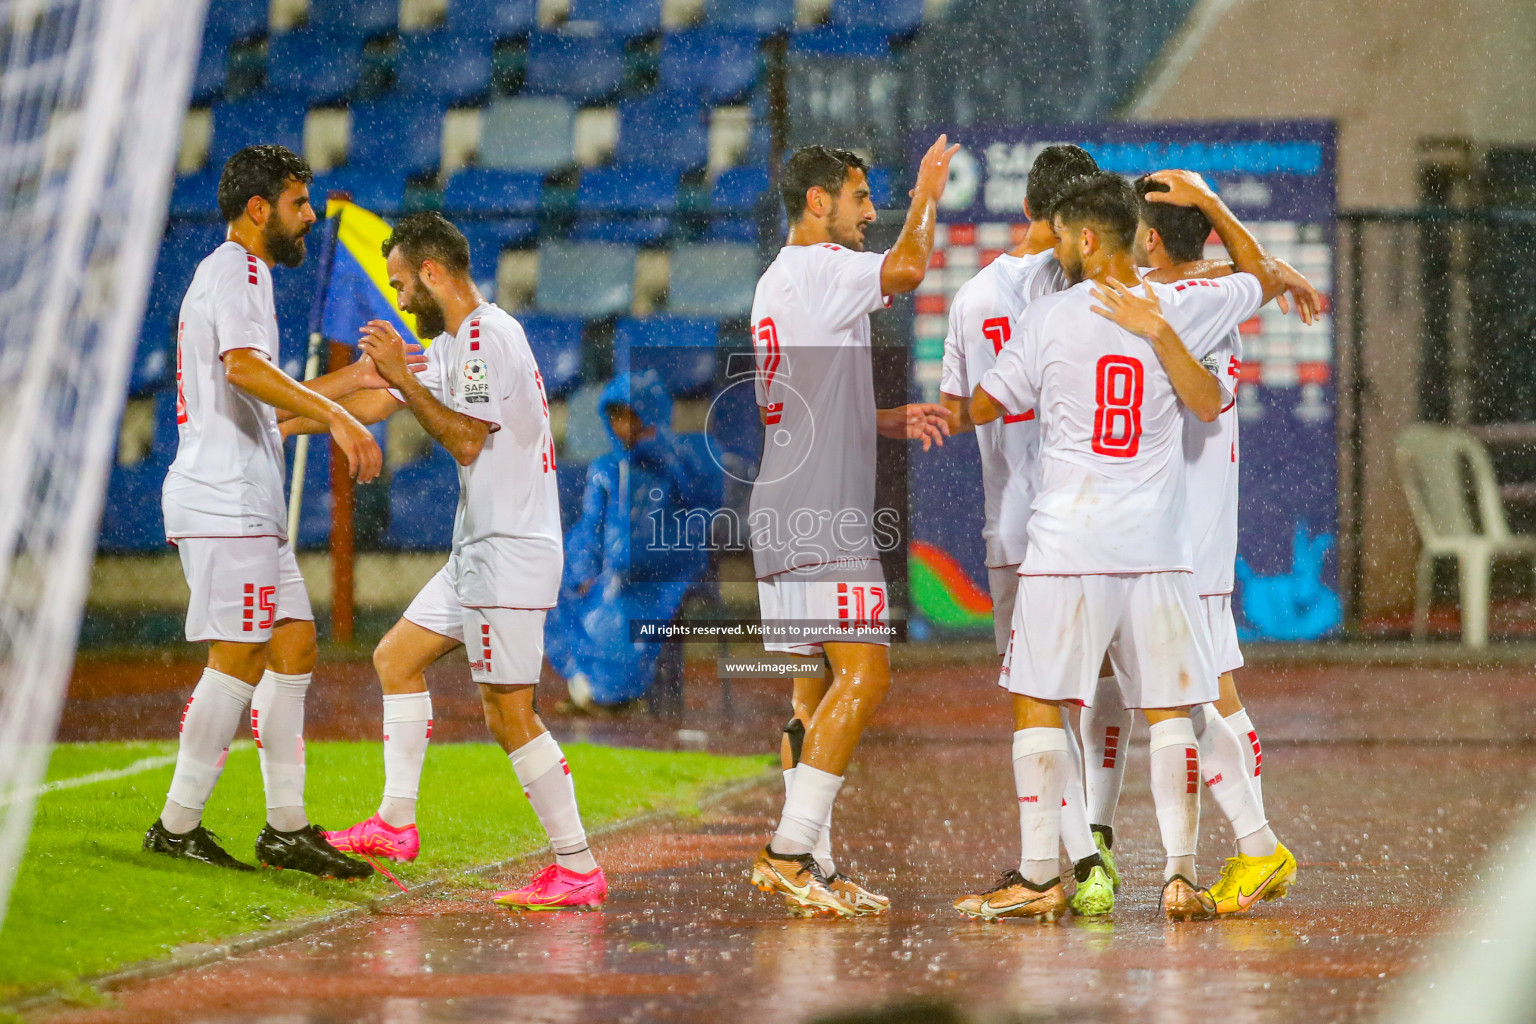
pixel 477 386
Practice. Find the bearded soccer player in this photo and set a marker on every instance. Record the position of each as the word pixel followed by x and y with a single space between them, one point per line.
pixel 1108 567
pixel 225 513
pixel 482 398
pixel 812 509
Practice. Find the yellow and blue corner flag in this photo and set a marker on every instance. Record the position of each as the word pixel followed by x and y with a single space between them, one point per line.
pixel 355 287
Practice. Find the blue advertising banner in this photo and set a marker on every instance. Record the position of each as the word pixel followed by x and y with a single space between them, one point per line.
pixel 1279 178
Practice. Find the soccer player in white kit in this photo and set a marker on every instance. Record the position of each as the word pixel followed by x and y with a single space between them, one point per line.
pixel 225 513
pixel 1108 563
pixel 812 517
pixel 482 398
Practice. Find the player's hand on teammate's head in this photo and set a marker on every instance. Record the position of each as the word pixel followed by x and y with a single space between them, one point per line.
pixel 1140 312
pixel 381 342
pixel 1309 304
pixel 364 458
pixel 933 171
pixel 1185 188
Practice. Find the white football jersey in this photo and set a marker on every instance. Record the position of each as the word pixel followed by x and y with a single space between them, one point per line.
pixel 981 319
pixel 227 478
pixel 813 499
pixel 1111 493
pixel 506 532
pixel 1210 451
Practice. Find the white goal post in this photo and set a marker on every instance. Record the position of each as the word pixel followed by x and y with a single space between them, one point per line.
pixel 92 95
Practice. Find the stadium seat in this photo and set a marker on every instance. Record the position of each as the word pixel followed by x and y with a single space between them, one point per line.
pixel 680 349
pixel 422 498
pixel 186 244
pixel 401 134
pixel 130 517
pixel 491 190
pixel 494 19
pixel 487 239
pixel 763 17
pixel 318 67
pixel 153 360
pixel 363 18
pixel 556 344
pixel 739 190
pixel 166 437
pixel 196 194
pixel 627 188
pixel 731 229
pixel 314 526
pixel 712 280
pixel 625 18
pixel 571 479
pixel 667 130
pixel 589 279
pixel 381 190
pixel 452 67
pixel 892 17
pixel 644 231
pixel 527 134
pixel 212 71
pixel 583 68
pixel 718 66
pixel 264 118
pixel 231 21
pixel 841 42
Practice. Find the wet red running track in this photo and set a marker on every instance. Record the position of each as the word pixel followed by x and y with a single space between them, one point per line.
pixel 1390 784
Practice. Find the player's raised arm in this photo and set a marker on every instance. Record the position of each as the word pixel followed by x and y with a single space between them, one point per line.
pixel 367 407
pixel 907 261
pixel 355 379
pixel 1185 188
pixel 463 436
pixel 252 372
pixel 1142 314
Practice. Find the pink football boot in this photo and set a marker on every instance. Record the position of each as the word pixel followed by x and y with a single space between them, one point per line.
pixel 375 838
pixel 557 888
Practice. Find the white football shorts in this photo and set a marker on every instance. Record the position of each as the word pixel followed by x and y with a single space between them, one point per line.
pixel 826 603
pixel 241 587
pixel 505 645
pixel 1227 655
pixel 1151 624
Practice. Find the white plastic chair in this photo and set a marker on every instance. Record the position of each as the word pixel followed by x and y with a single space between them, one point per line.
pixel 1432 462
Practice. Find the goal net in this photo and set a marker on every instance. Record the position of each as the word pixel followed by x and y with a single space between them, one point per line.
pixel 92 93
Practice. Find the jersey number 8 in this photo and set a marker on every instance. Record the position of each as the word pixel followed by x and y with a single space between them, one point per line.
pixel 1117 420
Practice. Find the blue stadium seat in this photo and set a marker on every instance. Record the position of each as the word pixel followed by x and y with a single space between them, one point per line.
pixel 195 194
pixel 381 190
pixel 403 134
pixel 320 67
pixel 680 349
pixel 212 71
pixel 712 280
pixel 841 42
pixel 764 17
pixel 314 526
pixel 619 17
pixel 734 230
pixel 583 68
pixel 495 19
pixel 487 238
pixel 719 66
pixel 667 129
pixel 154 360
pixel 880 186
pixel 739 190
pixel 264 118
pixel 186 244
pixel 422 498
pixel 453 67
pixel 644 231
pixel 130 517
pixel 166 438
pixel 571 479
pixel 627 188
pixel 556 344
pixel 527 134
pixel 491 190
pixel 589 279
pixel 231 21
pixel 893 17
pixel 356 17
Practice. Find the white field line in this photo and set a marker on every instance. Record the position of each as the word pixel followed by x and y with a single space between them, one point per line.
pixel 143 764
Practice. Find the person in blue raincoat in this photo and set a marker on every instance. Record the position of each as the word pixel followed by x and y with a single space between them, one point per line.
pixel 615 568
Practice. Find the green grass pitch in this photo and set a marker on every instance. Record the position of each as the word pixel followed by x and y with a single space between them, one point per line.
pixel 88 900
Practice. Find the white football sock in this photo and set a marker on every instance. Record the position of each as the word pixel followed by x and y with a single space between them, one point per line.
pixel 1253 753
pixel 208 725
pixel 546 780
pixel 407 728
pixel 277 723
pixel 822 851
pixel 1106 745
pixel 807 810
pixel 1175 774
pixel 1040 773
pixel 1075 834
pixel 1226 775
